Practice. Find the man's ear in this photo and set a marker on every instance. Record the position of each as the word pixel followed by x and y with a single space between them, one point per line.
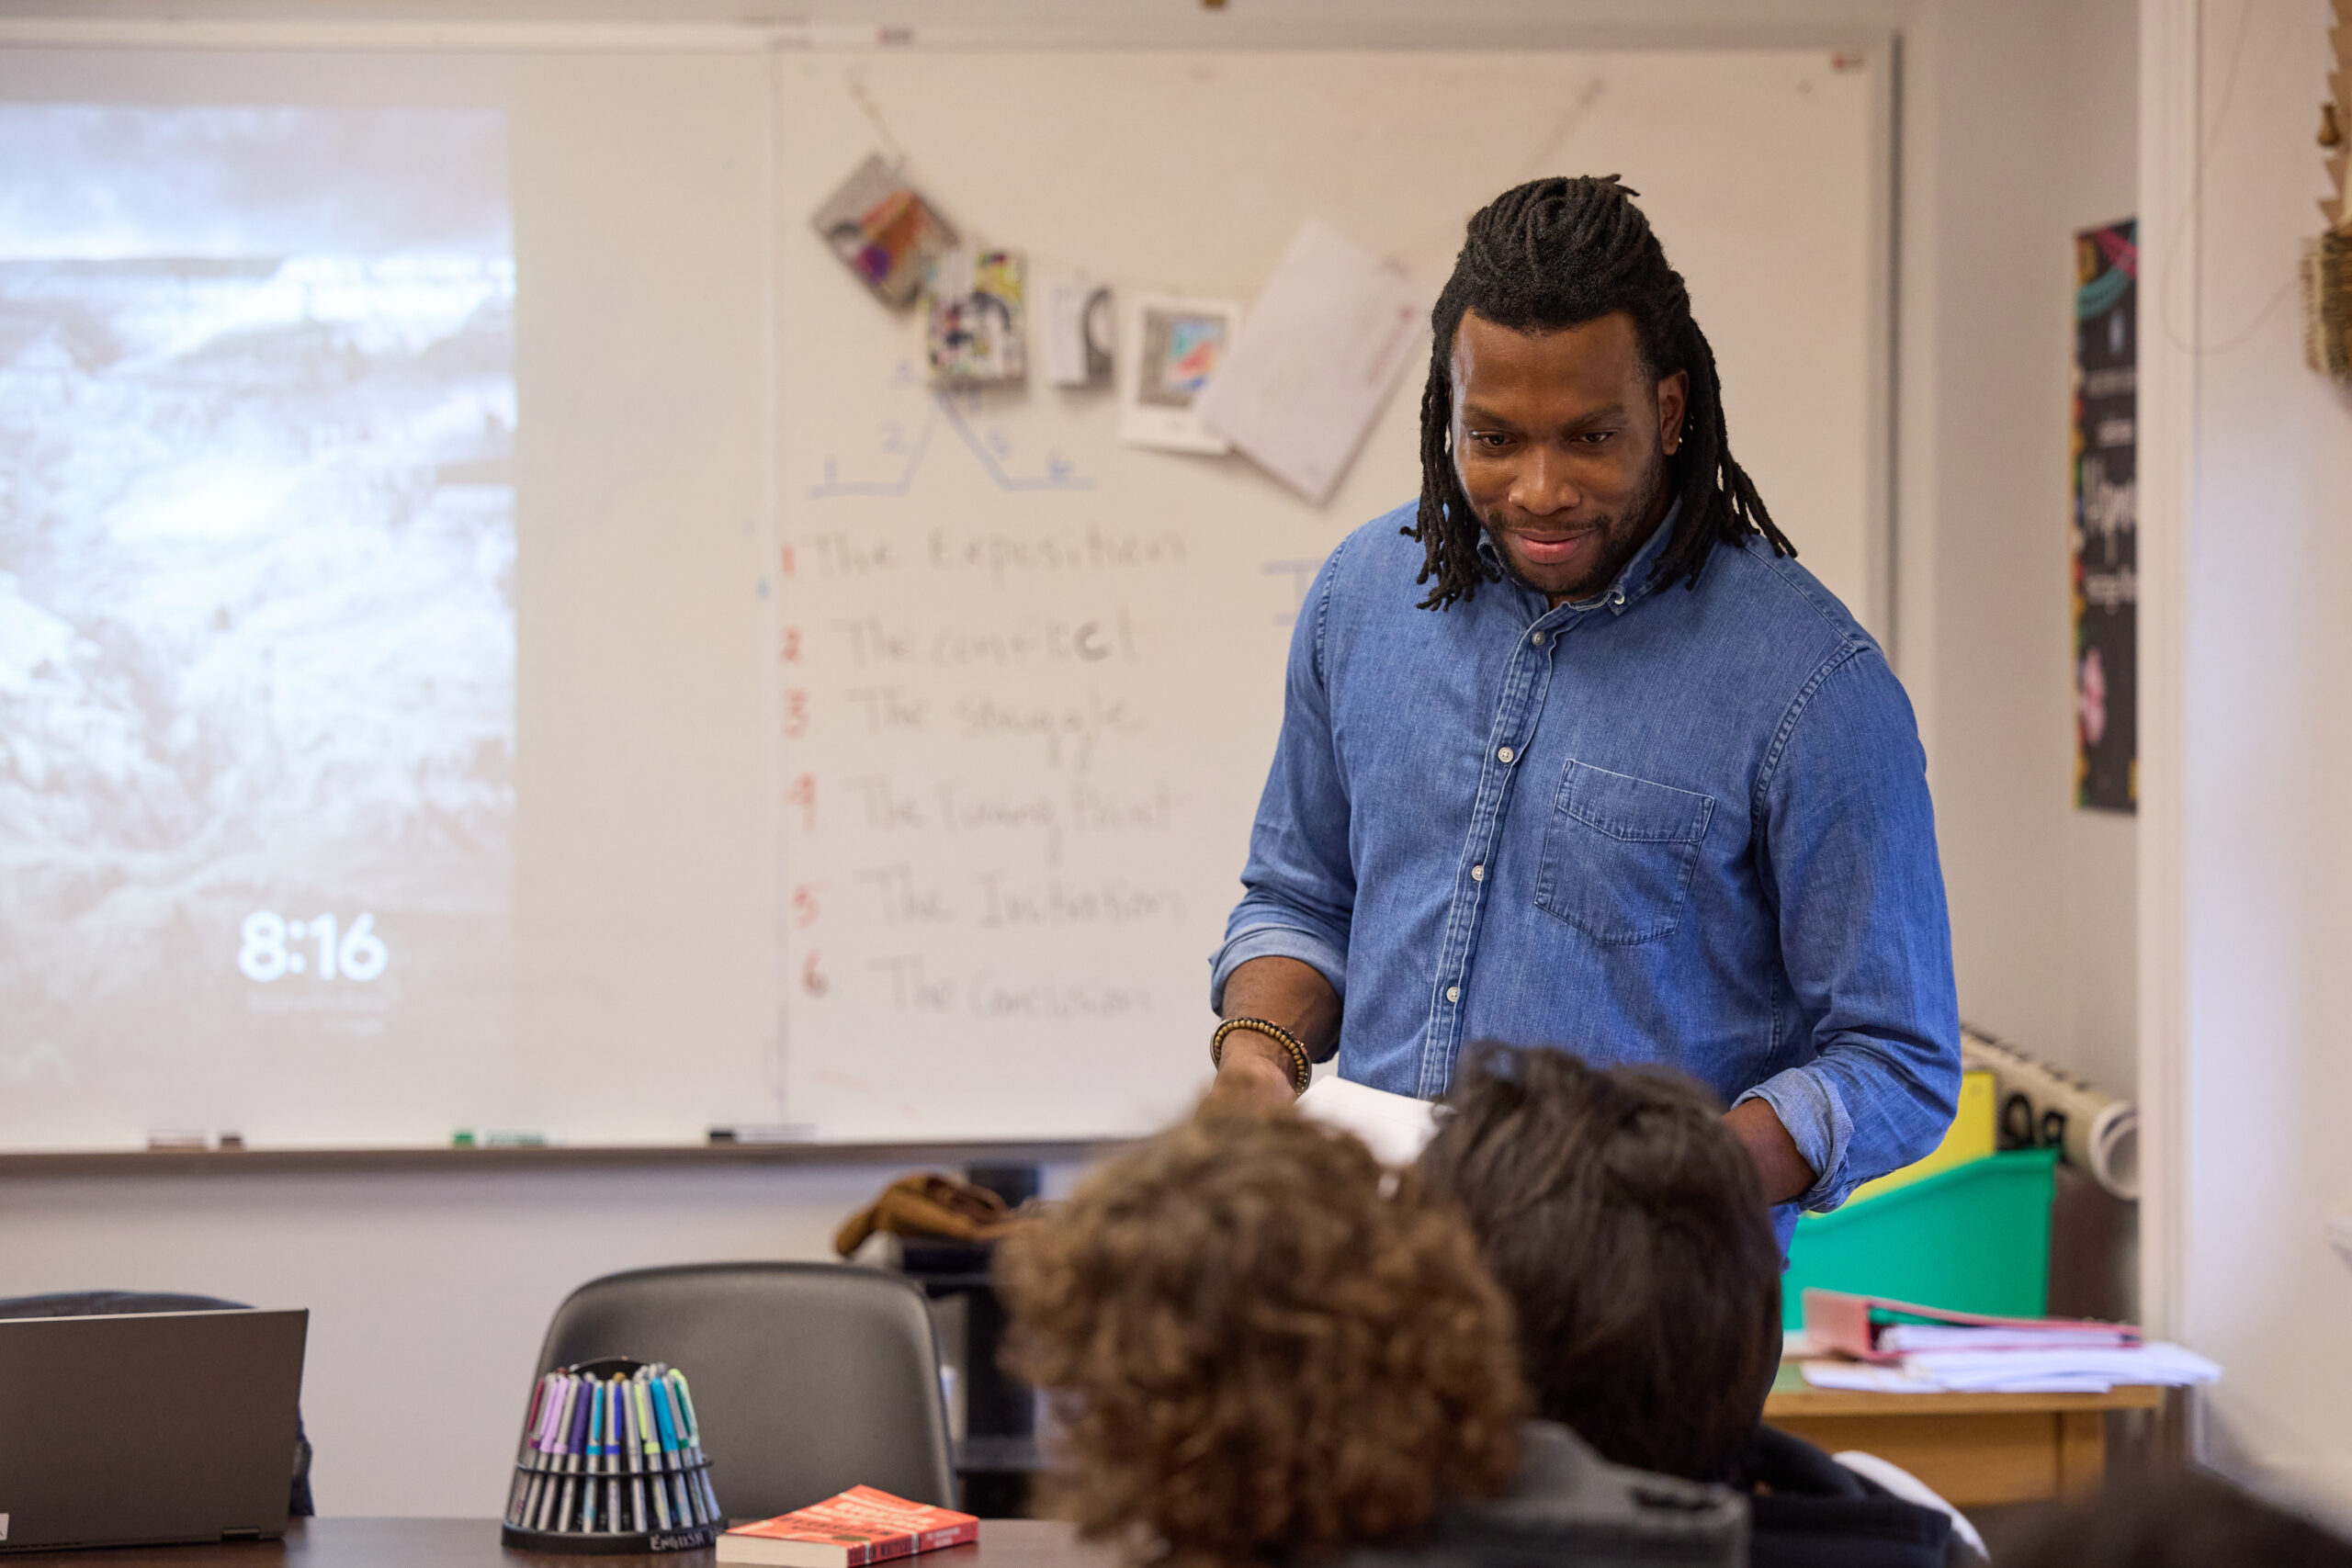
pixel 1673 402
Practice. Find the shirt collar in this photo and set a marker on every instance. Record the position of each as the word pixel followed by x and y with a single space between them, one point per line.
pixel 1632 583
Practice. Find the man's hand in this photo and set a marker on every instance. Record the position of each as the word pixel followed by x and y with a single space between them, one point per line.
pixel 1256 1071
pixel 1781 1170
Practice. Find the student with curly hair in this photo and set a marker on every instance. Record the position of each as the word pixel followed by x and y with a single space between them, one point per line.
pixel 1626 1223
pixel 1263 1347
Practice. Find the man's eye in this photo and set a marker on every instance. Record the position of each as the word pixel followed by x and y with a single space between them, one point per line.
pixel 1597 437
pixel 1492 440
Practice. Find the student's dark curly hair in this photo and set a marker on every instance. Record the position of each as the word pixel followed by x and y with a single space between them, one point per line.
pixel 1261 1347
pixel 1558 253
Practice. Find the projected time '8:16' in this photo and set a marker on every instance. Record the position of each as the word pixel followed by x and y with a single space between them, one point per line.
pixel 354 955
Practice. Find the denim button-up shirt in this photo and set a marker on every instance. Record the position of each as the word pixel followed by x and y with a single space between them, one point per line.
pixel 1687 827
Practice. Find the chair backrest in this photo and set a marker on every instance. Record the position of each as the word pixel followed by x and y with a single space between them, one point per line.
pixel 807 1378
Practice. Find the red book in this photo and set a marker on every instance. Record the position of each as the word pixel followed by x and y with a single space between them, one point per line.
pixel 860 1526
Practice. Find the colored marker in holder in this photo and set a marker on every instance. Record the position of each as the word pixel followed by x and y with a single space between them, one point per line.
pixel 611 1461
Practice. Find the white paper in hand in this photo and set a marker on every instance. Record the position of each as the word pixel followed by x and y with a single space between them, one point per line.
pixel 1395 1127
pixel 1316 360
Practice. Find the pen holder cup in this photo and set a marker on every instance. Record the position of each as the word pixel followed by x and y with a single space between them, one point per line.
pixel 611 1460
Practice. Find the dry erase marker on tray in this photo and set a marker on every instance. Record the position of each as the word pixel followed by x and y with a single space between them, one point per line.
pixel 765 1132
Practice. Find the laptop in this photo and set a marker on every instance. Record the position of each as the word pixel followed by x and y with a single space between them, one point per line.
pixel 147 1428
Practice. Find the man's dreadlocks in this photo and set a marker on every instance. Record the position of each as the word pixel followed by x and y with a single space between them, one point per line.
pixel 1558 252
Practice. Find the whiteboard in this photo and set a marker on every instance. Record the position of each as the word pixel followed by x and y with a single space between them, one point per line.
pixel 885 763
pixel 574 891
pixel 1029 678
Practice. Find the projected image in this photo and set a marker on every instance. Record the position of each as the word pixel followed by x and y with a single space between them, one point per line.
pixel 257 601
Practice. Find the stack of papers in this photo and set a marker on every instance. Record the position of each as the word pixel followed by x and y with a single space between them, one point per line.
pixel 1393 1126
pixel 1904 1348
pixel 2083 1368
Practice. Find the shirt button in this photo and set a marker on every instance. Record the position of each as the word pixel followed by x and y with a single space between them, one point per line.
pixel 1478 873
pixel 1453 993
pixel 1537 639
pixel 1504 755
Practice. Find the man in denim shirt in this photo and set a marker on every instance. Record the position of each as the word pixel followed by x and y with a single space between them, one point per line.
pixel 1573 753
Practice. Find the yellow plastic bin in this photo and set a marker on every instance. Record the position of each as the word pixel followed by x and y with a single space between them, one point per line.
pixel 1973 1238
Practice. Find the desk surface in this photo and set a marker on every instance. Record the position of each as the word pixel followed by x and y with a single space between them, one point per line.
pixel 473 1543
pixel 1793 1397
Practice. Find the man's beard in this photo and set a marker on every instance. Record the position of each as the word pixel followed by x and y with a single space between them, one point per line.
pixel 1621 552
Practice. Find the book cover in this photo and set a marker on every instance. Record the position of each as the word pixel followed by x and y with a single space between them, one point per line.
pixel 860 1526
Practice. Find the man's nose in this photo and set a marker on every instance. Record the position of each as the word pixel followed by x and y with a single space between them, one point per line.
pixel 1544 485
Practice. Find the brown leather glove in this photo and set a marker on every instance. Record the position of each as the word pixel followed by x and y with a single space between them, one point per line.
pixel 929 1204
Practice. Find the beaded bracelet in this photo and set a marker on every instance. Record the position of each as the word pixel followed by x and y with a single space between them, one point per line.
pixel 1302 1067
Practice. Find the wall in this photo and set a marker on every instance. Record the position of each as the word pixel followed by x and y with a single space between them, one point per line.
pixel 2041 894
pixel 429 1292
pixel 2249 1057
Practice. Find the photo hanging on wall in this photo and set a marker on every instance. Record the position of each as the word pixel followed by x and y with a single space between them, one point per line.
pixel 2104 535
pixel 1177 345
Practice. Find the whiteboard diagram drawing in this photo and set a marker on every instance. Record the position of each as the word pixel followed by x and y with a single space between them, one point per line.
pixel 992 448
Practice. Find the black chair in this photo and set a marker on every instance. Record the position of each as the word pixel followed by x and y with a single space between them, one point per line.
pixel 102 1303
pixel 807 1378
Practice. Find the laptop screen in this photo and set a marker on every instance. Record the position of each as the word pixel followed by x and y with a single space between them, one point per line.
pixel 147 1428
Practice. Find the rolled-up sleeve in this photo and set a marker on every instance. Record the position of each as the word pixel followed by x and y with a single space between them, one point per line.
pixel 1299 881
pixel 1849 858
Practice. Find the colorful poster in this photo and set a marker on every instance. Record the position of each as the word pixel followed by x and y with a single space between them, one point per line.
pixel 979 328
pixel 1178 345
pixel 2104 535
pixel 884 229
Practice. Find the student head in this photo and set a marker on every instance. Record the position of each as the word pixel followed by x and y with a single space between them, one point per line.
pixel 2181 1518
pixel 1624 1223
pixel 1261 1346
pixel 1571 400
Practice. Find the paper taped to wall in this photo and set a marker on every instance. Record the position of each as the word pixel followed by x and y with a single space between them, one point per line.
pixel 884 229
pixel 979 325
pixel 1301 386
pixel 1074 326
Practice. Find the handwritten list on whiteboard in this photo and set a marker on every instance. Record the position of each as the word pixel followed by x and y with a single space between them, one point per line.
pixel 1025 713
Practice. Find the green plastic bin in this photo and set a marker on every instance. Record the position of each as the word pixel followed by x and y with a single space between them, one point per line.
pixel 1973 1238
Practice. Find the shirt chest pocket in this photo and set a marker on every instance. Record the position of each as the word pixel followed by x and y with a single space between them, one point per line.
pixel 1618 852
